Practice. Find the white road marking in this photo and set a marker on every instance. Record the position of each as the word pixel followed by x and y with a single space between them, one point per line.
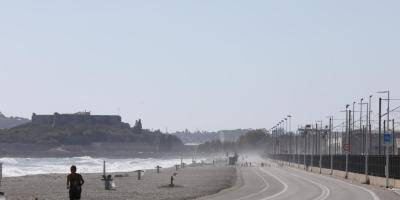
pixel 259 192
pixel 325 190
pixel 373 195
pixel 285 186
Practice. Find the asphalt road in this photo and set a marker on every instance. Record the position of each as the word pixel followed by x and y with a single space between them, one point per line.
pixel 282 182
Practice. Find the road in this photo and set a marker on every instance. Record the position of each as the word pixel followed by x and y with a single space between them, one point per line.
pixel 288 183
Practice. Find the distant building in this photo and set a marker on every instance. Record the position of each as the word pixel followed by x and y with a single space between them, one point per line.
pixel 77 118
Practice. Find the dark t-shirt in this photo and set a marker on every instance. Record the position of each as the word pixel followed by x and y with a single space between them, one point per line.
pixel 75 183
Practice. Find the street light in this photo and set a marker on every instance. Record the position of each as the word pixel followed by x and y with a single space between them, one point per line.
pixel 361 132
pixel 387 146
pixel 290 137
pixel 368 140
pixel 348 140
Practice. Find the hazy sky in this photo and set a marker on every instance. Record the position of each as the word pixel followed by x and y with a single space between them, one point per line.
pixel 203 65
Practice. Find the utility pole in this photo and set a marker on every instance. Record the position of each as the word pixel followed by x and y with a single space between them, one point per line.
pixel 273 141
pixel 312 148
pixel 369 124
pixel 386 143
pixel 319 147
pixel 348 139
pixel 361 132
pixel 330 142
pixel 380 124
pixel 290 139
pixel 285 136
pixel 352 130
pixel 393 139
pixel 305 148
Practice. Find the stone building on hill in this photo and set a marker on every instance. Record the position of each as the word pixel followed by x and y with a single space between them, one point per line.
pixel 77 118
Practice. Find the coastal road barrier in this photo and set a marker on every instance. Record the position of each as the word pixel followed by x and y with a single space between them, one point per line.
pixel 356 167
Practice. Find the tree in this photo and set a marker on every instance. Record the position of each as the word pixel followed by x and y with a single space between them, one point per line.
pixel 254 138
pixel 138 126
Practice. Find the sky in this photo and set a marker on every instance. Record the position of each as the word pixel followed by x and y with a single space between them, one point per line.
pixel 197 65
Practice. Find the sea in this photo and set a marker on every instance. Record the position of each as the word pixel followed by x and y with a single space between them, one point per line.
pixel 14 167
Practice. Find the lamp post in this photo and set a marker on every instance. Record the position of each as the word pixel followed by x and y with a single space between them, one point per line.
pixel 348 140
pixel 290 138
pixel 368 140
pixel 277 137
pixel 305 149
pixel 352 130
pixel 386 144
pixel 330 142
pixel 369 124
pixel 286 135
pixel 361 132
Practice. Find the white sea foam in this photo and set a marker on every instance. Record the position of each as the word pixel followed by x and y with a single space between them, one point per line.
pixel 13 167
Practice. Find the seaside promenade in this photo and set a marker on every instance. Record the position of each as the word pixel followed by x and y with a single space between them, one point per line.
pixel 288 183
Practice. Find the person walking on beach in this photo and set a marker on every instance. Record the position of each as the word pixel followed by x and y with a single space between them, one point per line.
pixel 74 184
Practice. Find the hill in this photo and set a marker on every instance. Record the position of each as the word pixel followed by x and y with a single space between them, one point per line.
pixel 84 139
pixel 9 122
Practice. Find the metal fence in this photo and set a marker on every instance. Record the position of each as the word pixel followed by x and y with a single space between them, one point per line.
pixel 376 163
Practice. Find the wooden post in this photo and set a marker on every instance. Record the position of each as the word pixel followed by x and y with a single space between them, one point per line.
pixel 158 168
pixel 139 174
pixel 1 172
pixel 106 183
pixel 172 182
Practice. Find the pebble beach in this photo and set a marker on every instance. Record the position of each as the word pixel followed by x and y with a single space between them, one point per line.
pixel 190 183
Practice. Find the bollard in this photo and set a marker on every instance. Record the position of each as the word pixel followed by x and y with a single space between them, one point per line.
pixel 139 174
pixel 2 196
pixel 108 182
pixel 1 172
pixel 172 182
pixel 158 169
pixel 104 176
pixel 176 167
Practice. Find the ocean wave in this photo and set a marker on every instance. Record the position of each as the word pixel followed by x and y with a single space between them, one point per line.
pixel 13 167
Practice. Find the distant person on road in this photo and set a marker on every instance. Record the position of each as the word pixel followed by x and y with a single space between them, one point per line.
pixel 74 184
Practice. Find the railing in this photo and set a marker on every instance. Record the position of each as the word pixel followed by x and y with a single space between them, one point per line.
pixel 376 163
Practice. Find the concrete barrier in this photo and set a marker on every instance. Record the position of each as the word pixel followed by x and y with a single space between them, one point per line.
pixel 374 180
